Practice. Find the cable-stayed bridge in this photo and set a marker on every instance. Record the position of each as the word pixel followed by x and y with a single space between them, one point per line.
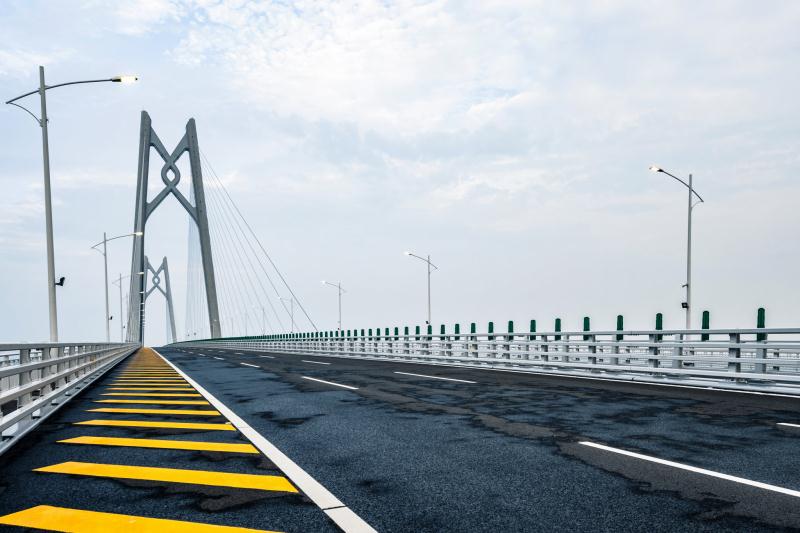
pixel 254 419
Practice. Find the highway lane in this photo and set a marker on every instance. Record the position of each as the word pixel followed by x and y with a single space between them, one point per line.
pixel 482 450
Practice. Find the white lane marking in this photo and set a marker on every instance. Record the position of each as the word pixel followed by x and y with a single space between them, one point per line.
pixel 330 383
pixel 220 358
pixel 267 356
pixel 435 377
pixel 238 353
pixel 248 364
pixel 315 362
pixel 695 469
pixel 789 425
pixel 345 518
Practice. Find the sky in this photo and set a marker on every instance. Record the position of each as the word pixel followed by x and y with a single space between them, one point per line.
pixel 510 140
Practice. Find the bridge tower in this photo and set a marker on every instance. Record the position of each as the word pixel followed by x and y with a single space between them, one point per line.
pixel 156 277
pixel 171 176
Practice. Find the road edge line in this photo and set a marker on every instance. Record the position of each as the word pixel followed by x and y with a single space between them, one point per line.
pixel 342 516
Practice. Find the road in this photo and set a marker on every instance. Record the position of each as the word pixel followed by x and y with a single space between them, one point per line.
pixel 409 446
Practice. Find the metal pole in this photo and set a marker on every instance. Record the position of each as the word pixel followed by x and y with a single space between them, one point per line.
pixel 689 260
pixel 48 214
pixel 105 272
pixel 429 289
pixel 121 337
pixel 340 305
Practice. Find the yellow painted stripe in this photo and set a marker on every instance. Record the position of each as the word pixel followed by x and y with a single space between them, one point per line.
pixel 165 382
pixel 124 410
pixel 227 447
pixel 75 520
pixel 158 394
pixel 174 389
pixel 173 475
pixel 165 425
pixel 157 402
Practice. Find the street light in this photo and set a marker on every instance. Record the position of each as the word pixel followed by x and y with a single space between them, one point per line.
pixel 118 283
pixel 291 300
pixel 48 209
pixel 428 261
pixel 692 193
pixel 338 285
pixel 105 264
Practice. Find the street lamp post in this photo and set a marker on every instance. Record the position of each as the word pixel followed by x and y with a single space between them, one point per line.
pixel 104 242
pixel 291 304
pixel 338 286
pixel 430 265
pixel 692 204
pixel 48 208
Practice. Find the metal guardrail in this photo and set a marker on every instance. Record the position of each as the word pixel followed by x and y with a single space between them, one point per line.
pixel 36 379
pixel 750 359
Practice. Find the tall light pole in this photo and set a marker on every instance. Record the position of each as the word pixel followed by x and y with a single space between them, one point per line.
pixel 430 265
pixel 118 283
pixel 291 304
pixel 338 286
pixel 48 208
pixel 692 194
pixel 104 242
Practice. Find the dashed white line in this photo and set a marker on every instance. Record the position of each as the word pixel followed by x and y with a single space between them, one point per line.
pixel 220 358
pixel 695 469
pixel 330 383
pixel 435 377
pixel 248 364
pixel 267 356
pixel 789 425
pixel 315 362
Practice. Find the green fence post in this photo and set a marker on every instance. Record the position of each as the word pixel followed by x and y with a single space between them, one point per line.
pixel 558 328
pixel 620 326
pixel 761 323
pixel 659 325
pixel 586 327
pixel 706 325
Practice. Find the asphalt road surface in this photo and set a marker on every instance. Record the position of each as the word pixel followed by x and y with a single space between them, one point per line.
pixel 414 447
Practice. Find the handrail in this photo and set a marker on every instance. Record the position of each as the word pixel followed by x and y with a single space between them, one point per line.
pixel 37 379
pixel 754 358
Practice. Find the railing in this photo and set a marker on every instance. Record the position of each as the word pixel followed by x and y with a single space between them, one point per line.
pixel 36 379
pixel 753 359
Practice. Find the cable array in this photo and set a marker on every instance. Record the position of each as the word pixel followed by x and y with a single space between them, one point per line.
pixel 252 292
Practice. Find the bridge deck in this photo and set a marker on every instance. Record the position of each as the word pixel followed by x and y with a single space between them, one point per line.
pixel 407 447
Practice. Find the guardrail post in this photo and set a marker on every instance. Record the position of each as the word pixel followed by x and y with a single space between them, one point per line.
pixel 531 337
pixel 474 341
pixel 457 339
pixel 406 343
pixel 448 345
pixel 706 325
pixel 509 340
pixel 426 345
pixel 24 377
pixel 734 352
pixel 761 353
pixel 491 346
pixel 591 338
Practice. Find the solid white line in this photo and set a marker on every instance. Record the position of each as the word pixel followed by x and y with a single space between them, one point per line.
pixel 248 364
pixel 220 358
pixel 315 362
pixel 267 356
pixel 789 425
pixel 711 473
pixel 345 518
pixel 330 383
pixel 435 377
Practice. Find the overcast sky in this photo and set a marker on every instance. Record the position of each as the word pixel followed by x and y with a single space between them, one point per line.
pixel 510 140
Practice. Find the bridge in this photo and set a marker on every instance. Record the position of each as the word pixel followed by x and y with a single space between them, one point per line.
pixel 254 419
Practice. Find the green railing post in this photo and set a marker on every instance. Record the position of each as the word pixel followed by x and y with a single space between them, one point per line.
pixel 706 325
pixel 558 328
pixel 620 326
pixel 761 323
pixel 586 327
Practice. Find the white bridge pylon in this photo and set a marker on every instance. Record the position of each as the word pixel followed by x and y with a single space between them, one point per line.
pixel 144 208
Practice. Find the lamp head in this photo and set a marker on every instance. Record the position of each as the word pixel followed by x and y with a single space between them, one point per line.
pixel 138 233
pixel 125 79
pixel 407 253
pixel 656 169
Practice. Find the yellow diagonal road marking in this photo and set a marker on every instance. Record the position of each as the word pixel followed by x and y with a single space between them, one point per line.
pixel 227 447
pixel 124 410
pixel 157 394
pixel 164 425
pixel 173 475
pixel 176 389
pixel 157 402
pixel 76 520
